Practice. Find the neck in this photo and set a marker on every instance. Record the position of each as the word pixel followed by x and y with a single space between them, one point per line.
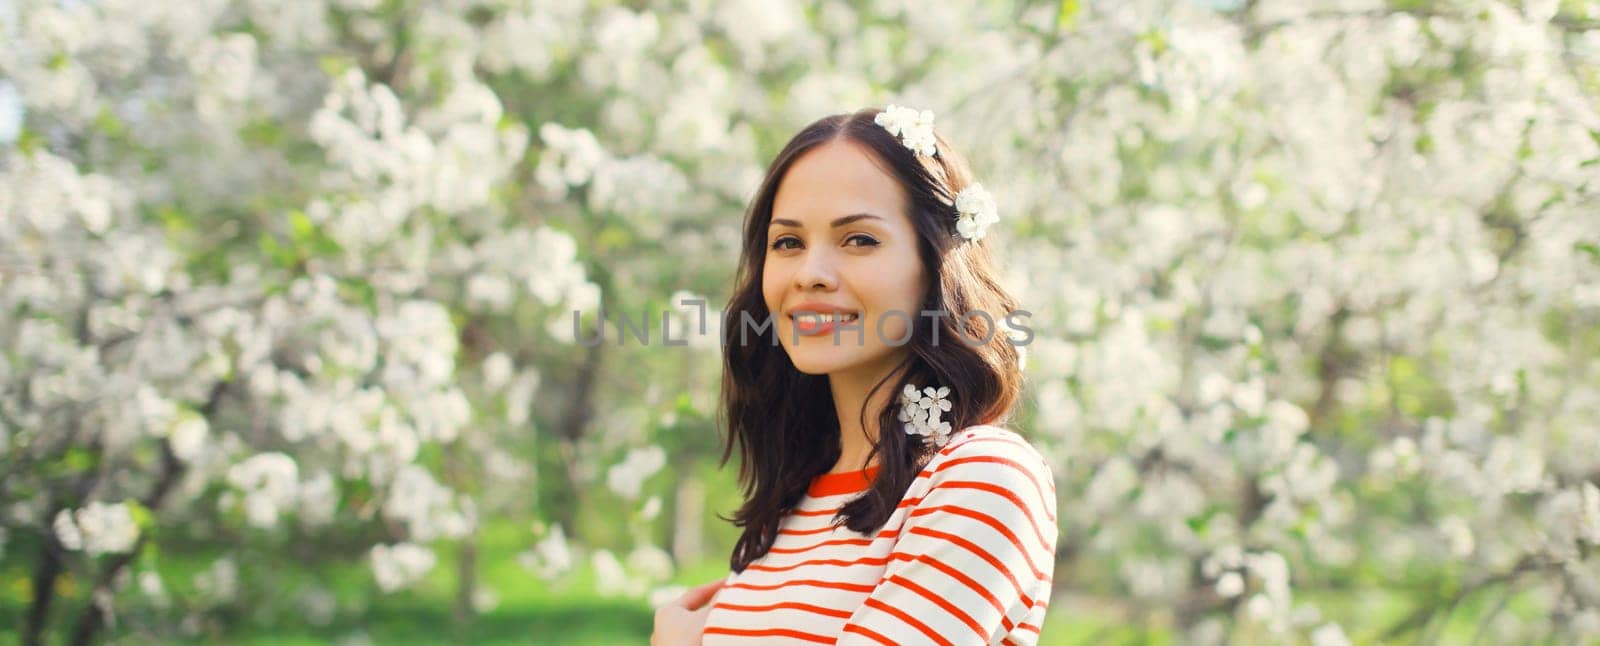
pixel 856 438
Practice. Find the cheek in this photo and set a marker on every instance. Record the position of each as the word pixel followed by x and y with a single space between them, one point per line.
pixel 897 287
pixel 909 282
pixel 772 288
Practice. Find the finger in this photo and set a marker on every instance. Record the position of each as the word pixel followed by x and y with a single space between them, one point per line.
pixel 686 596
pixel 700 594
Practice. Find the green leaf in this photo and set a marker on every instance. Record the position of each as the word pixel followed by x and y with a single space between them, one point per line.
pixel 301 230
pixel 1067 15
pixel 1157 41
pixel 174 220
pixel 79 459
pixel 1590 248
pixel 108 123
pixel 1424 144
pixel 141 515
pixel 334 66
pixel 29 141
pixel 360 291
pixel 277 252
pixel 262 132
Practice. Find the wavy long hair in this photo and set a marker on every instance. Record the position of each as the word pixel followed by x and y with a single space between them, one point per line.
pixel 783 422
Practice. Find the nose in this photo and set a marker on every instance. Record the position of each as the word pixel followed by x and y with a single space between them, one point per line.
pixel 816 272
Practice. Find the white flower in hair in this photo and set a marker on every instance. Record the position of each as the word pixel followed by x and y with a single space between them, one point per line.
pixel 913 127
pixel 921 413
pixel 975 211
pixel 975 208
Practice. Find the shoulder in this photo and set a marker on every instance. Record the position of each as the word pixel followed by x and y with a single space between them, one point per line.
pixel 991 453
pixel 989 441
pixel 986 465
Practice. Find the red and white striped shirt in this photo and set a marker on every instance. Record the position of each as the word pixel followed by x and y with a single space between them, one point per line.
pixel 967 558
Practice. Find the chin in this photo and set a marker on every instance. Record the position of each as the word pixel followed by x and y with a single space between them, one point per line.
pixel 818 355
pixel 817 361
pixel 821 370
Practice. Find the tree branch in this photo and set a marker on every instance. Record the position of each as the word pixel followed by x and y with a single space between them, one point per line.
pixel 93 616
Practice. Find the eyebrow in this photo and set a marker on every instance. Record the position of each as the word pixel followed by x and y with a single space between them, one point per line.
pixel 836 223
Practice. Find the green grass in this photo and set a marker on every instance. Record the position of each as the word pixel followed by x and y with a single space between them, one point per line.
pixel 529 610
pixel 569 611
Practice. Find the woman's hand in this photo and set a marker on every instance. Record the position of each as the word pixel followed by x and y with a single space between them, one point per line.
pixel 679 623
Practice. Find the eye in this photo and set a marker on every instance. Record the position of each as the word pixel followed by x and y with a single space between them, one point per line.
pixel 778 244
pixel 861 240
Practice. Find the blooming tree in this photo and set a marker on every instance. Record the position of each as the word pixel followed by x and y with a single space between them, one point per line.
pixel 233 255
pixel 1314 288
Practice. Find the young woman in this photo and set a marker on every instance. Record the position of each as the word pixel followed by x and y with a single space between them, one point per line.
pixel 885 501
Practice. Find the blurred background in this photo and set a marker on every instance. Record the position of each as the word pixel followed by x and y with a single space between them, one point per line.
pixel 288 351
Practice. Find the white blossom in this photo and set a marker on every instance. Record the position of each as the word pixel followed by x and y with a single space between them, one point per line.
pixel 269 482
pixel 921 413
pixel 1457 536
pixel 220 582
pixel 400 565
pixel 188 437
pixel 550 557
pixel 1230 585
pixel 97 528
pixel 612 578
pixel 428 509
pixel 1329 635
pixel 913 127
pixel 626 478
pixel 976 210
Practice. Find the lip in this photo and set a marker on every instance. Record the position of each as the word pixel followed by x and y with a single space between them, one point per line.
pixel 815 328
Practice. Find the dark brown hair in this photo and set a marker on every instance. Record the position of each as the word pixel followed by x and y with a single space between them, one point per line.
pixel 783 421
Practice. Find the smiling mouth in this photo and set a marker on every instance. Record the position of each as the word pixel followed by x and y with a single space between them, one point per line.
pixel 834 317
pixel 808 323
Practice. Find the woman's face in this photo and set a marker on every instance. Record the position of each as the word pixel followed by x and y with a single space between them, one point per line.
pixel 841 239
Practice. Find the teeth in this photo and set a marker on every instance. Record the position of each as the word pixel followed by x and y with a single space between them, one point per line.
pixel 829 318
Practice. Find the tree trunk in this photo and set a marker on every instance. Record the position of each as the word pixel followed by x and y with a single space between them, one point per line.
pixel 44 584
pixel 93 617
pixel 570 431
pixel 466 583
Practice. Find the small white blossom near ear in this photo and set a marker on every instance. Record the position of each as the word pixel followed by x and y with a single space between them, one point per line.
pixel 975 207
pixel 921 413
pixel 975 211
pixel 913 127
